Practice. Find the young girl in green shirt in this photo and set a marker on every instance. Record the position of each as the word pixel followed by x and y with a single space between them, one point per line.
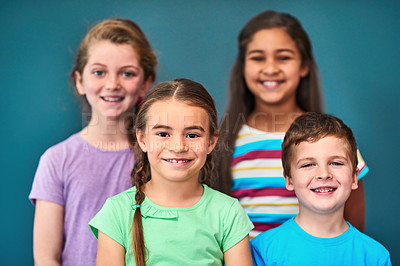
pixel 172 216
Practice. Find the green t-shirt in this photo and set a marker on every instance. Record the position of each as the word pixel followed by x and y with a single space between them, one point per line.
pixel 198 235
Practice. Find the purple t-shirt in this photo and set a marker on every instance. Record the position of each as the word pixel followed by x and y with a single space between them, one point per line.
pixel 80 177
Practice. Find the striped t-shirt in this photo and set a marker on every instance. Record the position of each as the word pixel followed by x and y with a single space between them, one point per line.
pixel 258 181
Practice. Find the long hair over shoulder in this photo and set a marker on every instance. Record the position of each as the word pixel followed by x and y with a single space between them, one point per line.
pixel 241 101
pixel 182 90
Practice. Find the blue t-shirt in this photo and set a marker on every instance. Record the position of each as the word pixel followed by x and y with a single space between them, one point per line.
pixel 288 245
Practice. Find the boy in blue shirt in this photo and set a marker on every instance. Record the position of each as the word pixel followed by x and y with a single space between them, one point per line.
pixel 319 157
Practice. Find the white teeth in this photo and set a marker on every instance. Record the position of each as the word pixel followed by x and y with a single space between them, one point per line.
pixel 270 83
pixel 177 161
pixel 323 190
pixel 113 99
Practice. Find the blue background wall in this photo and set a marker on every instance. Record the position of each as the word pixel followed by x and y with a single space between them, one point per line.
pixel 357 46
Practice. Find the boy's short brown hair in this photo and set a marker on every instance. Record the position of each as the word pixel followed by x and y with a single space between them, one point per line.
pixel 312 127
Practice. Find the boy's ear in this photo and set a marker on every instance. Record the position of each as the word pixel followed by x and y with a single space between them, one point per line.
pixel 288 182
pixel 79 83
pixel 212 143
pixel 141 140
pixel 354 181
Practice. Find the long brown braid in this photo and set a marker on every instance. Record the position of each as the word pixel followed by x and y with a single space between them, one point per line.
pixel 191 93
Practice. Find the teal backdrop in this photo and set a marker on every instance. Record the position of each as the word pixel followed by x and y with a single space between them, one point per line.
pixel 356 44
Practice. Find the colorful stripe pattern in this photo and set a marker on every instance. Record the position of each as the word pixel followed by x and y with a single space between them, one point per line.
pixel 258 180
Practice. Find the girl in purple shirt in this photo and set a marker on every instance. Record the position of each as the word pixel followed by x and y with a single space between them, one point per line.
pixel 114 67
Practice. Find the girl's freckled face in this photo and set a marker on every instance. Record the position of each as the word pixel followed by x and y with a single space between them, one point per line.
pixel 176 140
pixel 112 79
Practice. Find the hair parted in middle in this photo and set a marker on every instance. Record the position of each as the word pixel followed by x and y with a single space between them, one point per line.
pixel 309 89
pixel 182 90
pixel 312 127
pixel 242 101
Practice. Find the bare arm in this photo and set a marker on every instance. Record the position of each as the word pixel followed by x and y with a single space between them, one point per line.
pixel 354 210
pixel 239 254
pixel 48 233
pixel 109 252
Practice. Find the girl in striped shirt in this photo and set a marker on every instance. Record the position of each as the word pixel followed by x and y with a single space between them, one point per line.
pixel 274 80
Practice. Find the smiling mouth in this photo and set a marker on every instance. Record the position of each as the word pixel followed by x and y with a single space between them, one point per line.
pixel 271 84
pixel 177 161
pixel 112 99
pixel 323 189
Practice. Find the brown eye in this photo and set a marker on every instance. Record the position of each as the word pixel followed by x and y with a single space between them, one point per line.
pixel 162 134
pixel 192 135
pixel 283 58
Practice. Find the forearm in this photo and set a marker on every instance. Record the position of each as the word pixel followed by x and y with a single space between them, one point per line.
pixel 47 262
pixel 48 233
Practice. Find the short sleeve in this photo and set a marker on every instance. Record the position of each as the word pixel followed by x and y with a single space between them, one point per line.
pixel 255 252
pixel 387 261
pixel 108 221
pixel 48 182
pixel 362 166
pixel 237 225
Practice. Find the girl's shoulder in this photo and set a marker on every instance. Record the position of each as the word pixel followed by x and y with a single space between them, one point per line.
pixel 72 141
pixel 217 194
pixel 123 200
pixel 249 136
pixel 67 147
pixel 217 198
pixel 247 131
pixel 126 195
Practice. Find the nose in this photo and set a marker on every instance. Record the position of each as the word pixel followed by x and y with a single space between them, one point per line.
pixel 112 82
pixel 270 67
pixel 323 173
pixel 178 144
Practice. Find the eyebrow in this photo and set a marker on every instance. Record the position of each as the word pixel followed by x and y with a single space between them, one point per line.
pixel 279 51
pixel 103 65
pixel 186 128
pixel 195 128
pixel 157 126
pixel 330 158
pixel 305 159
